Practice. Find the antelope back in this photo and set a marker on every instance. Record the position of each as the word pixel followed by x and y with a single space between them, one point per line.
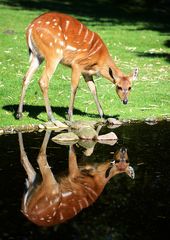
pixel 59 36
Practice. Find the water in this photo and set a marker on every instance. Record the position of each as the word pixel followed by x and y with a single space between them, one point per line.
pixel 127 208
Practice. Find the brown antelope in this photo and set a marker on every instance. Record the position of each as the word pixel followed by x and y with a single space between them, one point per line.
pixel 59 38
pixel 54 200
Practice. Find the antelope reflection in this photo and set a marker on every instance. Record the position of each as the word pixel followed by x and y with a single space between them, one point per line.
pixel 52 201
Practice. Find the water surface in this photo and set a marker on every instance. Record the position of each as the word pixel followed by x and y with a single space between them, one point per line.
pixel 126 209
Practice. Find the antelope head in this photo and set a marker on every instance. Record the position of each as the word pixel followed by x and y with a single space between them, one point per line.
pixel 124 85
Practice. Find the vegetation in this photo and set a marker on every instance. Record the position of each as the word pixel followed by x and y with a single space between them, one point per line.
pixel 133 40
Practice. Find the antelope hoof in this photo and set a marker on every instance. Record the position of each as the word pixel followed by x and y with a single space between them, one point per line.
pixel 19 115
pixel 69 117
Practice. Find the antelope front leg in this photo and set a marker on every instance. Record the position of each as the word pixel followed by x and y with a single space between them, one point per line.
pixel 25 162
pixel 73 167
pixel 45 169
pixel 92 87
pixel 75 78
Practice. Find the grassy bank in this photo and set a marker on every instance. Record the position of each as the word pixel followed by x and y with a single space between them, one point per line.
pixel 130 43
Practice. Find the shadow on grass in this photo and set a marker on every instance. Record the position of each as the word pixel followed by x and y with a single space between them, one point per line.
pixel 120 10
pixel 166 56
pixel 153 14
pixel 34 111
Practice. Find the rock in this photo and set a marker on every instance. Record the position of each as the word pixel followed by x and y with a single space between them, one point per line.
pixel 150 121
pixel 108 136
pixel 68 138
pixel 79 124
pixel 87 143
pixel 1 131
pixel 41 126
pixel 113 121
pixel 87 133
pixel 58 125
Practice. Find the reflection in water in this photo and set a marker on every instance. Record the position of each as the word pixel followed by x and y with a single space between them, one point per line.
pixel 51 199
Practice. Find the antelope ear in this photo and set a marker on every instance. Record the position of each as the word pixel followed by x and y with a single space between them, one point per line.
pixel 135 74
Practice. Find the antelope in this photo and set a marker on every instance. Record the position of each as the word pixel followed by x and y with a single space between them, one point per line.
pixel 59 38
pixel 54 200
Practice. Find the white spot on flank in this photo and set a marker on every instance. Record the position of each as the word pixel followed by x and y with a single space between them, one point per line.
pixel 86 202
pixel 66 194
pixel 61 43
pixel 58 51
pixel 39 22
pixel 62 205
pixel 96 50
pixel 59 34
pixel 46 199
pixel 32 25
pixel 51 44
pixel 91 190
pixel 55 24
pixel 67 24
pixel 65 37
pixel 41 35
pixel 54 20
pixel 80 30
pixel 54 192
pixel 90 41
pixel 86 34
pixel 80 204
pixel 94 45
pixel 70 48
pixel 91 197
pixel 60 28
pixel 42 219
pixel 54 213
pixel 61 216
pixel 75 211
pixel 47 22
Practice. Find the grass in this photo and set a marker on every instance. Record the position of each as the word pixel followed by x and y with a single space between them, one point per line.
pixel 131 44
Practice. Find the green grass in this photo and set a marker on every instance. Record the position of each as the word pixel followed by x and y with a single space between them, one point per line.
pixel 131 44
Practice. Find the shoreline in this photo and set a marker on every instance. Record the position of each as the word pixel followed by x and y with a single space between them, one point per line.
pixel 49 126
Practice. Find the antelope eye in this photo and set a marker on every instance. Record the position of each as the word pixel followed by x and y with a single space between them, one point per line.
pixel 119 88
pixel 129 88
pixel 119 160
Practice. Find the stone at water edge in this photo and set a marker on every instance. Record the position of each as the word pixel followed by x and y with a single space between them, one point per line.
pixel 51 126
pixel 108 136
pixel 66 138
pixel 80 124
pixel 109 139
pixel 87 133
pixel 113 121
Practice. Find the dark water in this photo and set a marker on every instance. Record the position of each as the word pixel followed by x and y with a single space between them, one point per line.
pixel 126 209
